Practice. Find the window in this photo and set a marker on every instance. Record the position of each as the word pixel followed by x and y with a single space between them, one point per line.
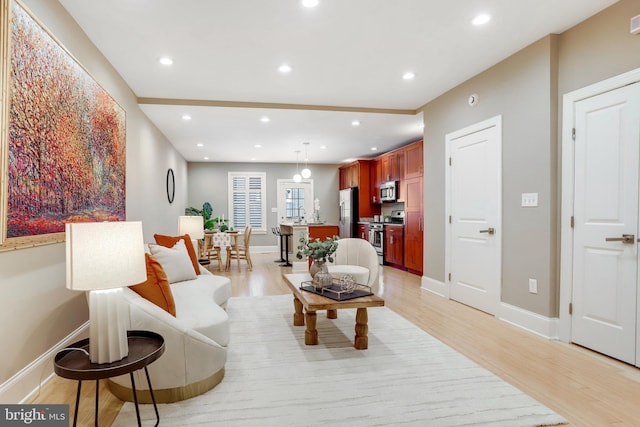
pixel 295 203
pixel 247 200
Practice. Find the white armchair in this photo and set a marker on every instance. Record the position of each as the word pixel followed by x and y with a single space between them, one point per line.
pixel 358 258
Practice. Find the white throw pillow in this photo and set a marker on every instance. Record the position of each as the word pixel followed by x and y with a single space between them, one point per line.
pixel 175 261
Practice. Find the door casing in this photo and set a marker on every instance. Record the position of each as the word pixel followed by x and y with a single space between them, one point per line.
pixel 567 189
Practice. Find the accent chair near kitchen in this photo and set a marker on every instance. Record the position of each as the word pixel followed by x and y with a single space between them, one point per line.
pixel 358 258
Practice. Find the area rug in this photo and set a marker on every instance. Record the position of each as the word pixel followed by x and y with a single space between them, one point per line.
pixel 406 377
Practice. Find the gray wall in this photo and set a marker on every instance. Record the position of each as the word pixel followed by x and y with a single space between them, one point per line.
pixel 208 183
pixel 36 310
pixel 526 89
pixel 519 90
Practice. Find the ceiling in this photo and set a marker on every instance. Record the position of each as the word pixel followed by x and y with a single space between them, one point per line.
pixel 347 59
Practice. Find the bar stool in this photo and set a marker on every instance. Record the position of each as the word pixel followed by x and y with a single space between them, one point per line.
pixel 285 236
pixel 276 231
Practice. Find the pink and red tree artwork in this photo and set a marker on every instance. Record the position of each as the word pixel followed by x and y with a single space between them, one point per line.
pixel 66 145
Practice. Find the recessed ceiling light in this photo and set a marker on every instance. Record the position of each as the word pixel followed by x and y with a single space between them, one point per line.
pixel 481 19
pixel 421 125
pixel 310 3
pixel 186 117
pixel 265 119
pixel 206 158
pixel 408 75
pixel 200 144
pixel 374 148
pixel 258 146
pixel 165 60
pixel 253 159
pixel 285 68
pixel 355 123
pixel 323 147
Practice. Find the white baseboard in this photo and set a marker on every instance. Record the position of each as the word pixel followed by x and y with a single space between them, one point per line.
pixel 435 286
pixel 546 327
pixel 523 319
pixel 264 249
pixel 28 382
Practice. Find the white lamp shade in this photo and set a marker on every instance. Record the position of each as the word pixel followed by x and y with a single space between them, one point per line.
pixel 306 173
pixel 191 225
pixel 297 177
pixel 104 255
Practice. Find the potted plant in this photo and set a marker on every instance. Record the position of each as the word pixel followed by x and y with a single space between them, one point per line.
pixel 206 212
pixel 220 223
pixel 319 252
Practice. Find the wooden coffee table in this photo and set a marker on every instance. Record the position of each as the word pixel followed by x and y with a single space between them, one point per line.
pixel 312 302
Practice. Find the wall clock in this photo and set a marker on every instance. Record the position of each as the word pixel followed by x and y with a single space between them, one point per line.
pixel 171 186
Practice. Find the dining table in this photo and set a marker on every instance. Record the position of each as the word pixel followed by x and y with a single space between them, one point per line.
pixel 222 239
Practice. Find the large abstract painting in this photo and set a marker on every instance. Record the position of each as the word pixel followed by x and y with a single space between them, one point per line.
pixel 65 141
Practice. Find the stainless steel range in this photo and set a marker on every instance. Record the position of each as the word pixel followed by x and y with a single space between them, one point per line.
pixel 376 238
pixel 376 232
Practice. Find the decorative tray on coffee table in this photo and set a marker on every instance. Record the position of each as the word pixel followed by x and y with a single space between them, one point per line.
pixel 335 291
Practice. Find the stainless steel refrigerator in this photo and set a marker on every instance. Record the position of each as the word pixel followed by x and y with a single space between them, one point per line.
pixel 348 212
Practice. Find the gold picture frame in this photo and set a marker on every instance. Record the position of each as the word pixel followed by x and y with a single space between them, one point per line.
pixel 63 140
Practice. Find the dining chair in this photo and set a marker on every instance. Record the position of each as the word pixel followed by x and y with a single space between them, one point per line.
pixel 239 250
pixel 211 251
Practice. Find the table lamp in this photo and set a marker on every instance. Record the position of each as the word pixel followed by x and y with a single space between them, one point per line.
pixel 102 257
pixel 193 226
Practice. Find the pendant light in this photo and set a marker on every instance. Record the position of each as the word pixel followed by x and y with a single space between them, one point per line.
pixel 297 177
pixel 306 172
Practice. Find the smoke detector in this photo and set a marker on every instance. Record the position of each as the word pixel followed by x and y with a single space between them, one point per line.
pixel 635 25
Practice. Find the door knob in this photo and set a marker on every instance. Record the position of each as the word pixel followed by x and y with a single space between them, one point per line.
pixel 489 230
pixel 627 239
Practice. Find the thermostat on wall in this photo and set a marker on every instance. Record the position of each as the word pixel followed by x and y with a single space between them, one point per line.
pixel 473 99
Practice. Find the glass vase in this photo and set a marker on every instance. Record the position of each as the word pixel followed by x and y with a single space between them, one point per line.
pixel 320 274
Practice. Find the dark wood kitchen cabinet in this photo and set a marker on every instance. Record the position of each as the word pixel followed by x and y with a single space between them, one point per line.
pixel 363 231
pixel 357 174
pixel 393 245
pixel 376 172
pixel 413 161
pixel 390 166
pixel 413 225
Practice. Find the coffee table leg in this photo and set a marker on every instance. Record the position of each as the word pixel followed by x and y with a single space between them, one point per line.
pixel 311 334
pixel 361 341
pixel 298 316
pixel 332 314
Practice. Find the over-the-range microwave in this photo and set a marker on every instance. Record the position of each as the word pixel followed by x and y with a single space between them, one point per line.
pixel 389 191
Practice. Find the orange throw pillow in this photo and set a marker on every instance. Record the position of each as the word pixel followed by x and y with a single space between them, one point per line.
pixel 156 288
pixel 170 241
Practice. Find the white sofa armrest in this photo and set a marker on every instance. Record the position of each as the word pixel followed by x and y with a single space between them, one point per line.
pixel 188 357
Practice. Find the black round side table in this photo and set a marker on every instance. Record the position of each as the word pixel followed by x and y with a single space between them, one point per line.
pixel 73 363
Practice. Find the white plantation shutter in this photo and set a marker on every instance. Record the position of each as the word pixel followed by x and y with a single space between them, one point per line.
pixel 248 200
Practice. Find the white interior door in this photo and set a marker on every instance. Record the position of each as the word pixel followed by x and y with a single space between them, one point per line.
pixel 295 199
pixel 605 273
pixel 474 199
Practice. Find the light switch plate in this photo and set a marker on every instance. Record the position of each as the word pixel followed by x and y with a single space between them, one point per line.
pixel 529 200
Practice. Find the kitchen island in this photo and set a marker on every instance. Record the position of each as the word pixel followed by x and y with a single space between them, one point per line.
pixel 315 230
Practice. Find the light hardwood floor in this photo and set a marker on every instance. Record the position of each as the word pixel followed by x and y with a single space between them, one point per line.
pixel 587 388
